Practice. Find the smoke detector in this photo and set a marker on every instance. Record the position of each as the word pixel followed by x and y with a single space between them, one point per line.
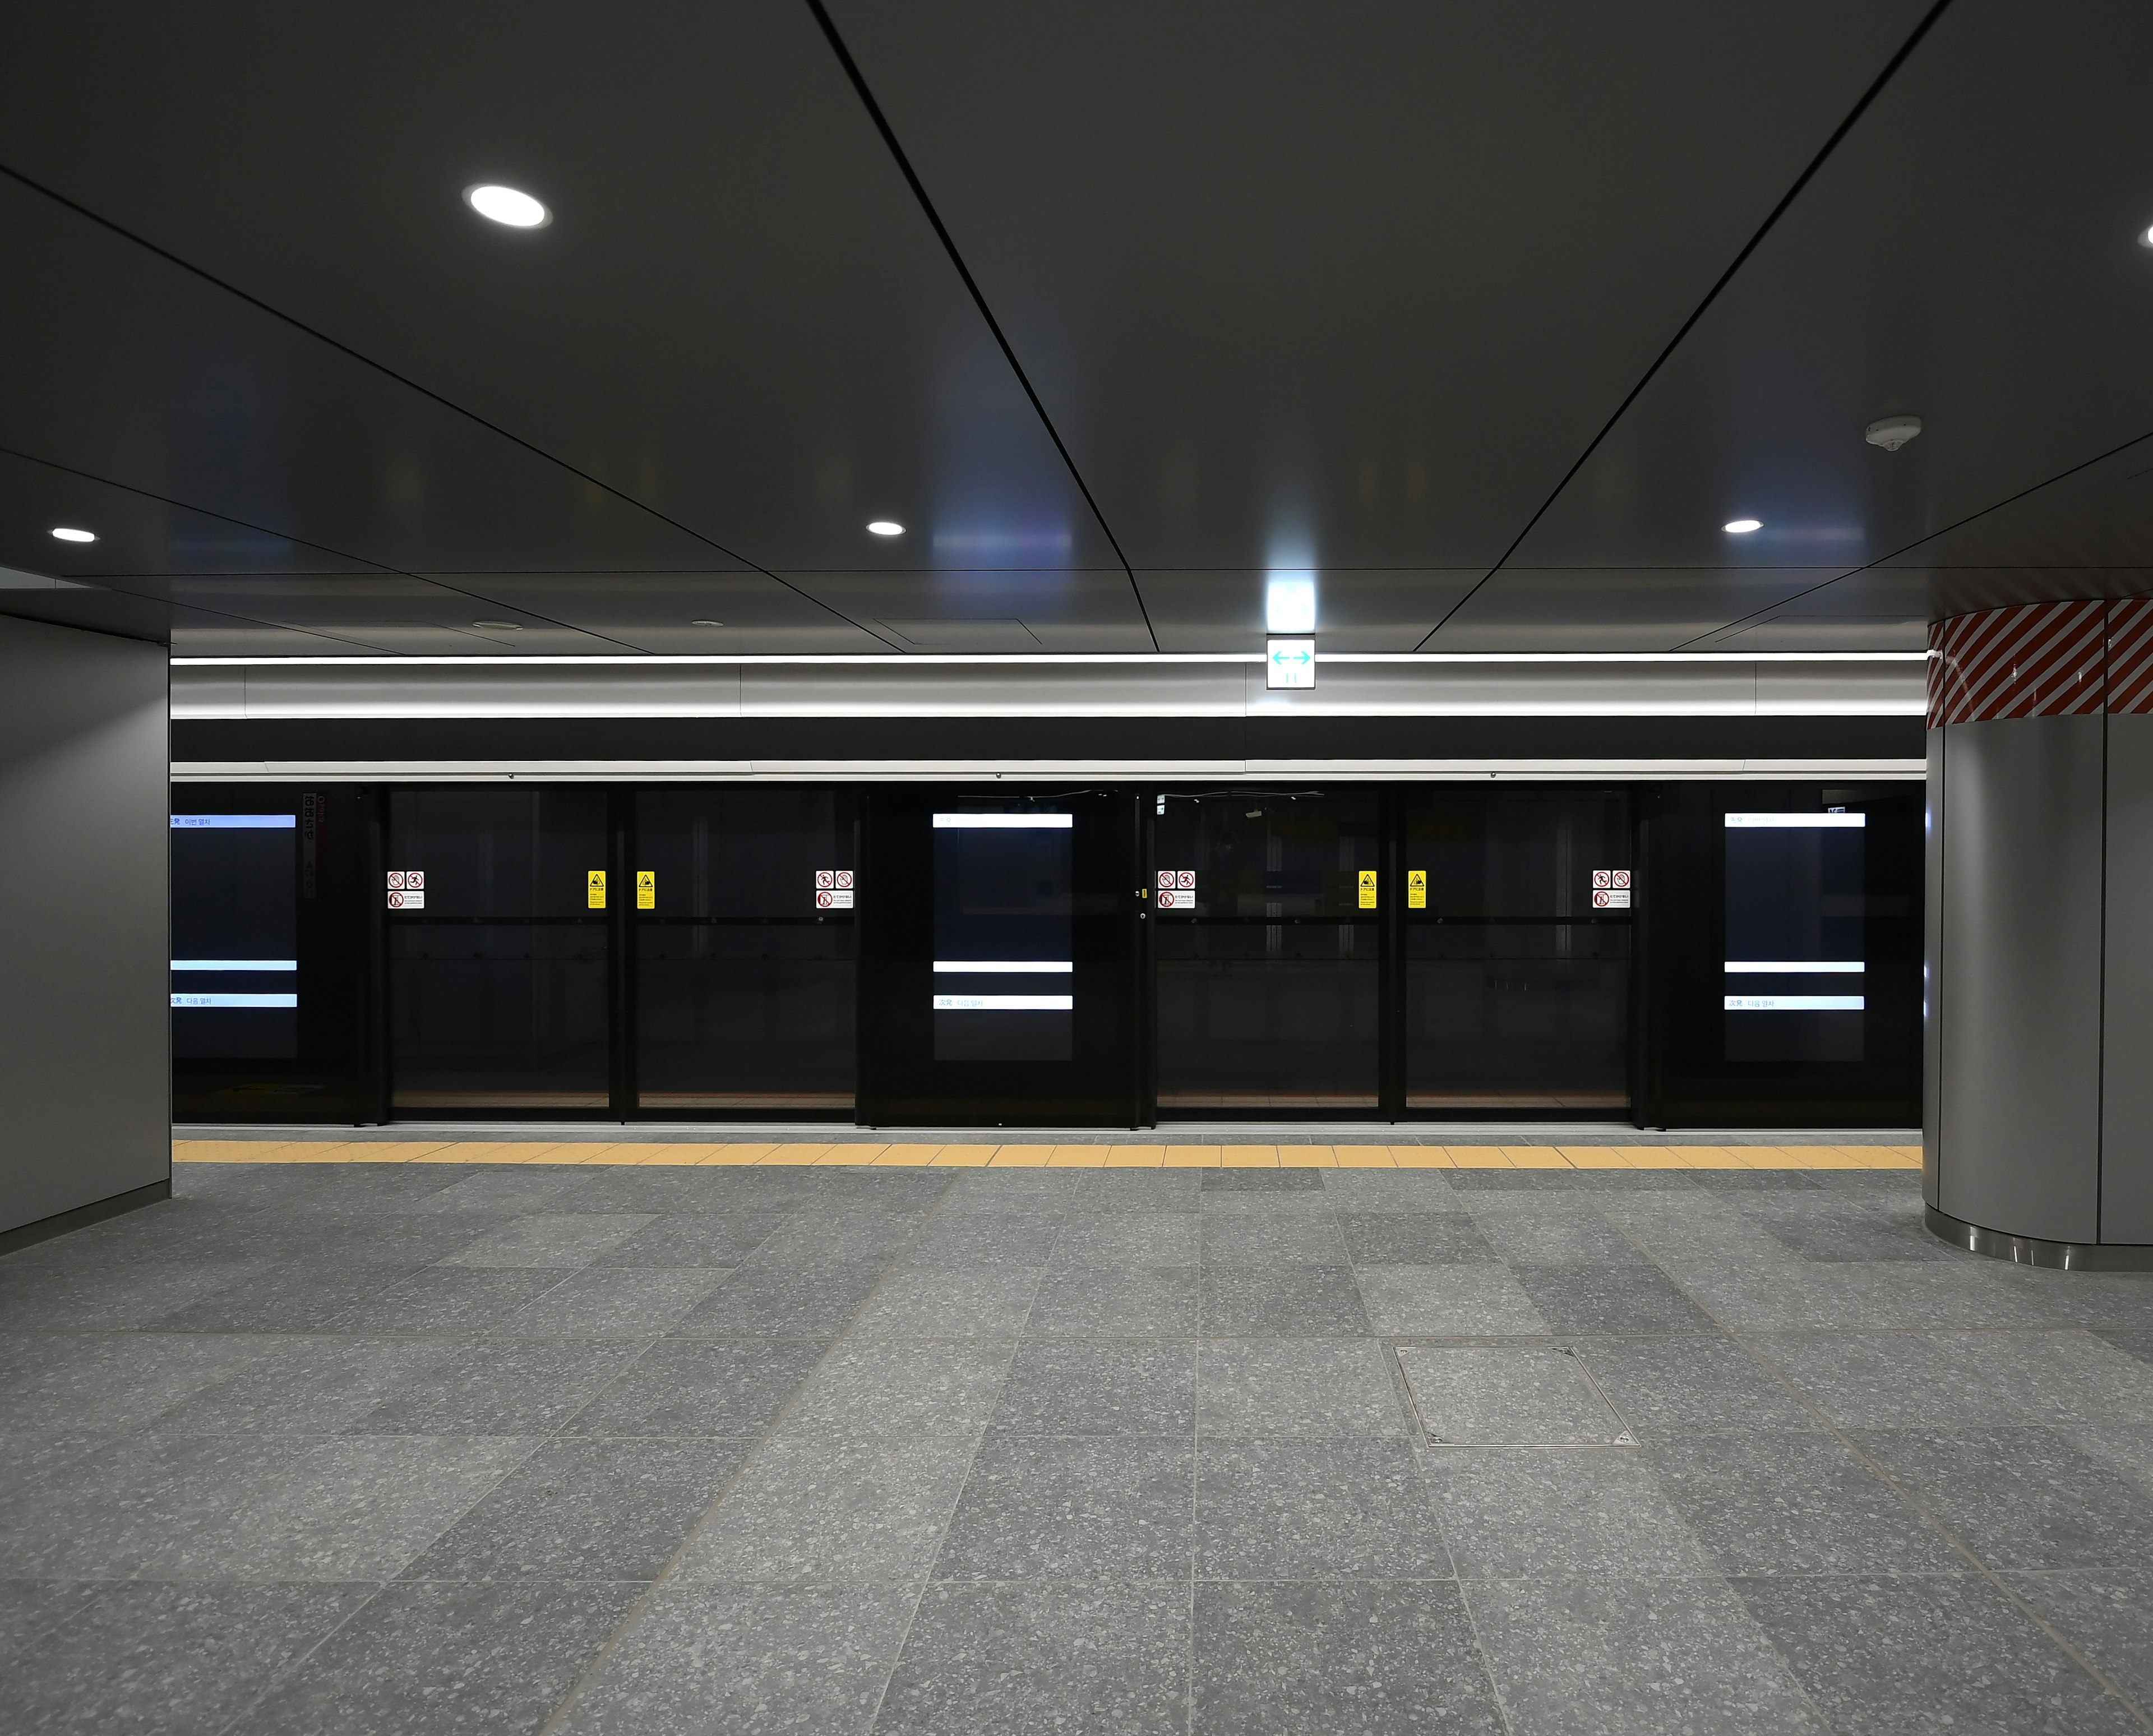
pixel 1893 432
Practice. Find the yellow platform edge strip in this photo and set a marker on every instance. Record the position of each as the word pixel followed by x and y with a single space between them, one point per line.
pixel 603 1153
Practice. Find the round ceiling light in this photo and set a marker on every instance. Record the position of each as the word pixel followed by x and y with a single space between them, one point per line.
pixel 1742 527
pixel 2145 237
pixel 500 626
pixel 885 527
pixel 506 206
pixel 68 534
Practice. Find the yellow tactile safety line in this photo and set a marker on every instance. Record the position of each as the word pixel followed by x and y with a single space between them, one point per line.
pixel 1059 1156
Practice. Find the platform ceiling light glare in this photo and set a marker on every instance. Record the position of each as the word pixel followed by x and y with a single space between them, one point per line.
pixel 2145 237
pixel 1742 527
pixel 506 206
pixel 885 527
pixel 500 626
pixel 1290 604
pixel 707 624
pixel 68 534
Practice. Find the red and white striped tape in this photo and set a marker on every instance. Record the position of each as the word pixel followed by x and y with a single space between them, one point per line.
pixel 2037 659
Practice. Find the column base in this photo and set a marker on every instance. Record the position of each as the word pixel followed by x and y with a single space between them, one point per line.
pixel 2032 1250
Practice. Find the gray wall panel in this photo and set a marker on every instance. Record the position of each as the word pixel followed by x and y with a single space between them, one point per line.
pixel 2019 1120
pixel 2126 1144
pixel 85 1091
pixel 1932 924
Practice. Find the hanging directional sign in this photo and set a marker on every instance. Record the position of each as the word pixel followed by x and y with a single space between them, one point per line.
pixel 1289 662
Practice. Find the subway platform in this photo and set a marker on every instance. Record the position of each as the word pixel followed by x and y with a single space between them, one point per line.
pixel 1225 1430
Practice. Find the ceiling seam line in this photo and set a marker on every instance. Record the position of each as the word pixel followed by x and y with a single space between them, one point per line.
pixel 426 392
pixel 1786 200
pixel 68 470
pixel 1956 524
pixel 851 70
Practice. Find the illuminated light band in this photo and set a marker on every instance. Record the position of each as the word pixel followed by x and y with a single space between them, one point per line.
pixel 1775 967
pixel 1006 967
pixel 1003 823
pixel 1005 1003
pixel 1795 1003
pixel 235 1001
pixel 249 822
pixel 234 964
pixel 1856 821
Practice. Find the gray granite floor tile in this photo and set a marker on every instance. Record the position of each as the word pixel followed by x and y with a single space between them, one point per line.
pixel 1082 1508
pixel 31 1608
pixel 1140 1190
pixel 1115 1302
pixel 822 1512
pixel 1666 1387
pixel 874 1391
pixel 984 1660
pixel 302 1386
pixel 1009 1190
pixel 1282 1301
pixel 585 1508
pixel 1915 1654
pixel 1325 1389
pixel 551 1239
pixel 1390 1190
pixel 951 1303
pixel 508 1386
pixel 612 1302
pixel 1542 1513
pixel 1607 1299
pixel 1009 1241
pixel 2025 1498
pixel 421 1658
pixel 1508 1396
pixel 768 1297
pixel 1104 1389
pixel 2121 1300
pixel 1469 1182
pixel 1764 1501
pixel 1887 1380
pixel 1446 1301
pixel 1253 1238
pixel 1129 1238
pixel 774 1660
pixel 1259 1181
pixel 1293 1658
pixel 2107 1613
pixel 1835 1238
pixel 1398 1238
pixel 1314 1510
pixel 849 1232
pixel 688 1388
pixel 307 1297
pixel 1530 1229
pixel 1590 1656
pixel 176 1658
pixel 679 1240
pixel 662 1188
pixel 1876 1295
pixel 512 1189
pixel 448 1301
pixel 84 1384
pixel 404 1239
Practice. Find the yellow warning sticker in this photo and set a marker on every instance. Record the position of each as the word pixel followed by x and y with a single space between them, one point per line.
pixel 594 888
pixel 1416 889
pixel 646 890
pixel 1367 888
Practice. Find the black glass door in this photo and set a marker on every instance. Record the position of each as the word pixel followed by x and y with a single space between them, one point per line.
pixel 998 959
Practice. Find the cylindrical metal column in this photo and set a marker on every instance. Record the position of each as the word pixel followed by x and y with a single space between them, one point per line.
pixel 2038 1094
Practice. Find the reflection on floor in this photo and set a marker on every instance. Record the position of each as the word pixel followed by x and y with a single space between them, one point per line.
pixel 348 1447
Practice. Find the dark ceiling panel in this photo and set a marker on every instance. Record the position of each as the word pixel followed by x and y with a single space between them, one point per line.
pixel 1968 255
pixel 1350 287
pixel 739 316
pixel 1614 609
pixel 1214 610
pixel 657 611
pixel 391 612
pixel 1058 610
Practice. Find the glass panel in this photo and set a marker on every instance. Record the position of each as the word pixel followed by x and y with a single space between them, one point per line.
pixel 1516 1016
pixel 1267 975
pixel 744 960
pixel 498 984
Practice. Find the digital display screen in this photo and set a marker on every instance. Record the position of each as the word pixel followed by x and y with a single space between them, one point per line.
pixel 235 936
pixel 1794 967
pixel 1003 972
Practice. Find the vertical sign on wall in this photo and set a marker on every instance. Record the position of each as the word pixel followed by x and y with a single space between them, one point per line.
pixel 1367 888
pixel 1416 888
pixel 646 890
pixel 594 888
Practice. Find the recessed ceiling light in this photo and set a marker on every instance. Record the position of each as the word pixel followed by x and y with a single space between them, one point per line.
pixel 885 527
pixel 506 206
pixel 500 626
pixel 1742 527
pixel 68 534
pixel 707 624
pixel 2145 237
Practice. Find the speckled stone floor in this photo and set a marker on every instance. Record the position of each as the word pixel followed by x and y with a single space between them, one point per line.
pixel 423 1446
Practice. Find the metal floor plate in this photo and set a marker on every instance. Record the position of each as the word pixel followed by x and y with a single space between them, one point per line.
pixel 1529 1396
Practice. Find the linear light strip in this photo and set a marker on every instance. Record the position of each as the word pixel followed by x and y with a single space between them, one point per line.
pixel 1003 823
pixel 1777 967
pixel 192 1002
pixel 899 660
pixel 1857 822
pixel 1795 1003
pixel 234 823
pixel 1005 1003
pixel 1010 967
pixel 234 964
